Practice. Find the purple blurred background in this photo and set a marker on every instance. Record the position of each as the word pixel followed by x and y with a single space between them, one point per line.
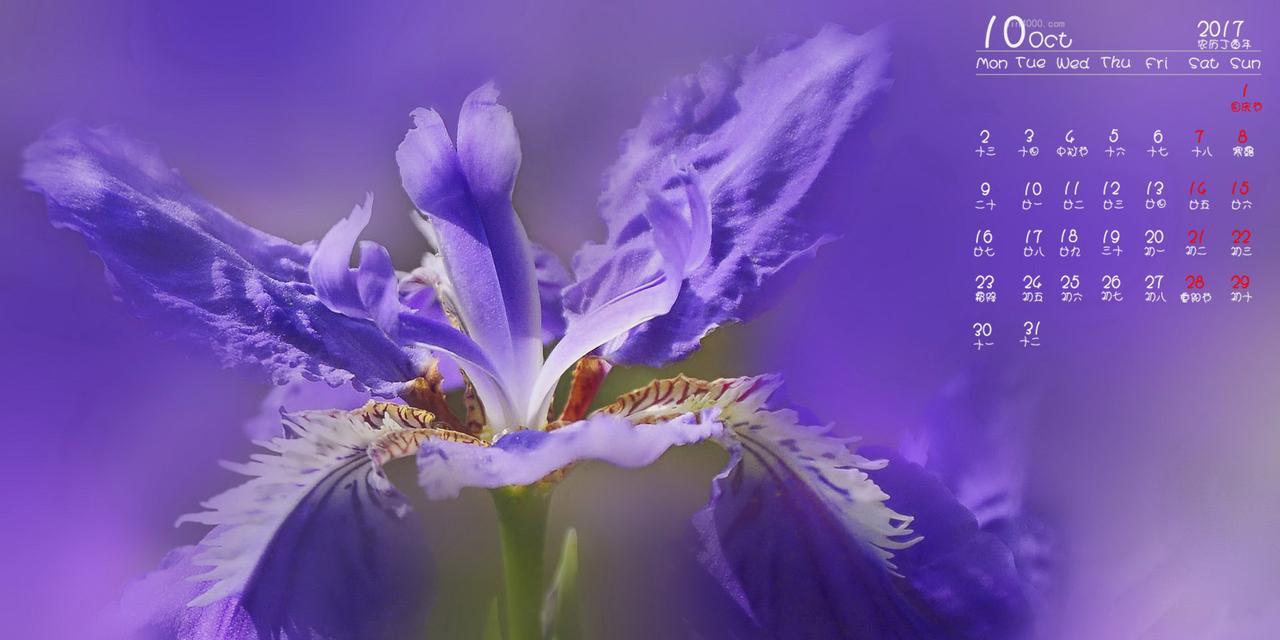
pixel 1152 445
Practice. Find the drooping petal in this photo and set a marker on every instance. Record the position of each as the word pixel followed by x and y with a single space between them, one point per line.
pixel 975 440
pixel 155 607
pixel 466 193
pixel 751 428
pixel 523 457
pixel 318 543
pixel 967 577
pixel 757 130
pixel 801 537
pixel 803 542
pixel 178 259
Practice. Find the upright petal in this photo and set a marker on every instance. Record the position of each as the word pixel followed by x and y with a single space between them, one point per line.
pixel 373 292
pixel 175 258
pixel 425 287
pixel 599 326
pixel 330 266
pixel 552 279
pixel 318 543
pixel 377 286
pixel 635 287
pixel 757 130
pixel 466 193
pixel 489 152
pixel 369 292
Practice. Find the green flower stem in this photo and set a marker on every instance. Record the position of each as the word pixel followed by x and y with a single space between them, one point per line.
pixel 522 520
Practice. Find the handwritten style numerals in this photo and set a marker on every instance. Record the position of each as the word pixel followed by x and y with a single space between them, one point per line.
pixel 1016 32
pixel 1219 28
pixel 1069 223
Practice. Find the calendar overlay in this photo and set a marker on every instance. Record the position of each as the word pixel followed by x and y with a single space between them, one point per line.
pixel 1137 186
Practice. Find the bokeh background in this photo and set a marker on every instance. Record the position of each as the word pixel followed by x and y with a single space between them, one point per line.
pixel 1151 442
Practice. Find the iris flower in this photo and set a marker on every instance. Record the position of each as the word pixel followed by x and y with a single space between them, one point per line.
pixel 798 539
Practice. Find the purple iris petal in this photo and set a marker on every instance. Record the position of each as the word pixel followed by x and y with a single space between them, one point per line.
pixel 757 130
pixel 552 279
pixel 368 292
pixel 975 441
pixel 176 258
pixel 798 536
pixel 966 576
pixel 442 336
pixel 330 267
pixel 418 293
pixel 466 193
pixel 377 286
pixel 807 537
pixel 639 285
pixel 958 582
pixel 489 152
pixel 683 243
pixel 418 288
pixel 605 322
pixel 607 273
pixel 445 467
pixel 155 607
pixel 372 291
pixel 318 543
